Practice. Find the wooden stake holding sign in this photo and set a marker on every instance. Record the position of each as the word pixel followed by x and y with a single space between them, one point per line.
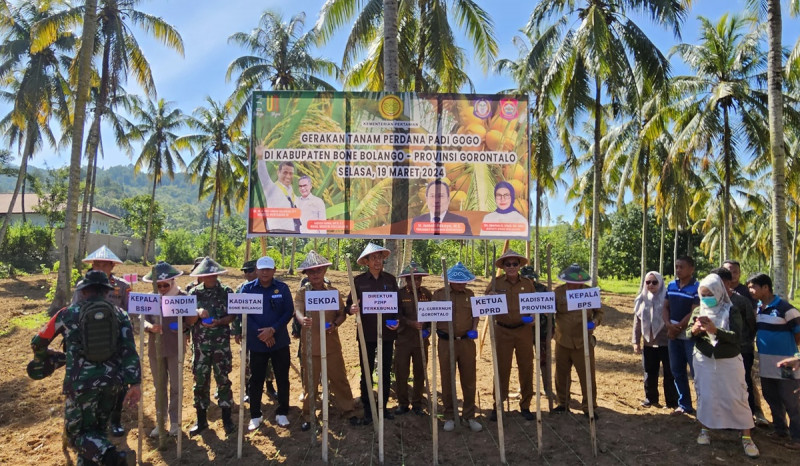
pixel 583 299
pixel 451 342
pixel 143 304
pixel 548 379
pixel 243 304
pixel 161 386
pixel 380 302
pixel 423 352
pixel 362 342
pixel 490 306
pixel 535 304
pixel 319 302
pixel 434 312
pixel 310 383
pixel 180 307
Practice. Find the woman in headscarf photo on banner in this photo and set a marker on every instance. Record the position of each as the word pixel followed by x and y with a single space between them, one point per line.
pixel 505 212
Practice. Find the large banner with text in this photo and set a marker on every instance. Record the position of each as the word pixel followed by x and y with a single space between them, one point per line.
pixel 389 165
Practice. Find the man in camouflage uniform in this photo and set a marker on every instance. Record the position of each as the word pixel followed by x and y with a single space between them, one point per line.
pixel 104 260
pixel 91 388
pixel 211 336
pixel 194 283
pixel 408 346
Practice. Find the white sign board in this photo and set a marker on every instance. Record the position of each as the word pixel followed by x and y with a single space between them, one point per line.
pixel 490 305
pixel 537 303
pixel 379 302
pixel 435 311
pixel 144 303
pixel 327 300
pixel 584 298
pixel 179 306
pixel 245 303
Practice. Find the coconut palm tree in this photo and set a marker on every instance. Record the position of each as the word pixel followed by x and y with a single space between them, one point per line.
pixel 529 77
pixel 155 127
pixel 601 51
pixel 217 166
pixel 280 58
pixel 37 78
pixel 723 108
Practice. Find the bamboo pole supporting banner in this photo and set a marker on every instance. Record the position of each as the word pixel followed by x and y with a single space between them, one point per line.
pixel 548 374
pixel 361 340
pixel 140 412
pixel 423 352
pixel 242 385
pixel 323 358
pixel 451 343
pixel 589 385
pixel 379 351
pixel 181 356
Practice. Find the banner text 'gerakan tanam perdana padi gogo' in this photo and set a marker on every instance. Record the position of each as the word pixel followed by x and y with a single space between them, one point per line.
pixel 386 165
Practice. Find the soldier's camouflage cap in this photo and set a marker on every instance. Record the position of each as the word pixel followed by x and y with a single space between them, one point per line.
pixel 44 367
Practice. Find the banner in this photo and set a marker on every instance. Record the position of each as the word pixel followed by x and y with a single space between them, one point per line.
pixel 389 165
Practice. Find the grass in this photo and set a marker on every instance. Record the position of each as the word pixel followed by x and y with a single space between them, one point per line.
pixel 620 286
pixel 25 322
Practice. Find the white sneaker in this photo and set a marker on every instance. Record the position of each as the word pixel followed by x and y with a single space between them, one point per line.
pixel 449 426
pixel 704 438
pixel 174 429
pixel 154 432
pixel 282 420
pixel 254 423
pixel 750 448
pixel 475 426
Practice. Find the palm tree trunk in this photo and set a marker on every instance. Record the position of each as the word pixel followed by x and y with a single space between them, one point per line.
pixel 91 204
pixel 147 231
pixel 22 199
pixel 391 83
pixel 675 249
pixel 661 250
pixel 91 153
pixel 597 183
pixel 219 220
pixel 727 149
pixel 23 171
pixel 69 242
pixel 794 252
pixel 775 106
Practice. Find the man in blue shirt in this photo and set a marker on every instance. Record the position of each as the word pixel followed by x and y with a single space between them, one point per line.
pixel 268 341
pixel 777 337
pixel 681 299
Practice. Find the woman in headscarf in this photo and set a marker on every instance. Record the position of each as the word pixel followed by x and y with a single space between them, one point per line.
pixel 718 368
pixel 493 222
pixel 167 328
pixel 648 325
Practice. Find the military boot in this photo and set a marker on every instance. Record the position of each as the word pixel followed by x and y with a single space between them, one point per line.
pixel 227 422
pixel 112 457
pixel 202 423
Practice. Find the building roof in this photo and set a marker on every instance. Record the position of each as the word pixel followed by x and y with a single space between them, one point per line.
pixel 31 201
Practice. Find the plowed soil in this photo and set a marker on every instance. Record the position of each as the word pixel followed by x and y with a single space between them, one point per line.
pixel 31 412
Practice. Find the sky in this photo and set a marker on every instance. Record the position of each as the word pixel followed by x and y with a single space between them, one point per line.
pixel 205 26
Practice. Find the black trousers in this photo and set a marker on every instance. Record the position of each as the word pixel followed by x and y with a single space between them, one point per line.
pixel 748 359
pixel 652 360
pixel 372 347
pixel 258 373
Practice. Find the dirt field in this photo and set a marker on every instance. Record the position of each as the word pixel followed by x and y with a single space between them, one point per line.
pixel 31 411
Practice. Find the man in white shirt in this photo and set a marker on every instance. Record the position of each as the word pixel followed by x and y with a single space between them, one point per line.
pixel 311 207
pixel 279 195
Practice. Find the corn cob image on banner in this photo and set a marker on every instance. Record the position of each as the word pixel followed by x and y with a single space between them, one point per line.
pixel 389 165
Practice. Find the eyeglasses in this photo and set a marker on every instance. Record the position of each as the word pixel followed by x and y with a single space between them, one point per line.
pixel 651 282
pixel 503 196
pixel 510 264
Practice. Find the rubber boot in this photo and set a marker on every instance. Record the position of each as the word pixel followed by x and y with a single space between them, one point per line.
pixel 112 457
pixel 227 422
pixel 202 423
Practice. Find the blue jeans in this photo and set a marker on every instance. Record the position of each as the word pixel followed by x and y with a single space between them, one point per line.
pixel 680 354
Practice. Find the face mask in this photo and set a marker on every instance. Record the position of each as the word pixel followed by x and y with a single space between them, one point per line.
pixel 709 301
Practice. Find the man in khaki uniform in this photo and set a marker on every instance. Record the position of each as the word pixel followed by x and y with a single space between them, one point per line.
pixel 407 347
pixel 465 328
pixel 315 266
pixel 513 335
pixel 569 340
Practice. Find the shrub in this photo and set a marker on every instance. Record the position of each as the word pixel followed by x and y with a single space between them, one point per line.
pixel 27 246
pixel 177 247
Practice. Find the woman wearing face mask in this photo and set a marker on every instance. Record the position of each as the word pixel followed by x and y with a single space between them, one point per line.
pixel 648 325
pixel 718 369
pixel 496 223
